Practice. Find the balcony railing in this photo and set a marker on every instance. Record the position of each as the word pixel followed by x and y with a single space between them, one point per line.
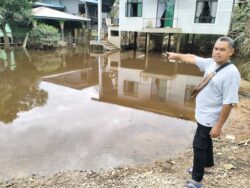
pixel 112 21
pixel 160 22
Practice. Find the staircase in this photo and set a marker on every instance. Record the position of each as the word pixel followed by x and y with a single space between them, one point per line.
pixel 109 46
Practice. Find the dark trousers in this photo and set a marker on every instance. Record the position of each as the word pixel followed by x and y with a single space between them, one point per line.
pixel 203 152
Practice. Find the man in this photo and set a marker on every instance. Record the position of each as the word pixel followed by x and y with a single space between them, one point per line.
pixel 213 103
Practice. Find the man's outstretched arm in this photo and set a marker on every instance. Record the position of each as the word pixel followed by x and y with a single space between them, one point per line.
pixel 187 58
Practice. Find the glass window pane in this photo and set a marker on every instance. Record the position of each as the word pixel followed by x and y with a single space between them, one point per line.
pixel 139 9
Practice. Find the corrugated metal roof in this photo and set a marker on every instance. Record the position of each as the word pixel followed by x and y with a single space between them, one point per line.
pixel 48 13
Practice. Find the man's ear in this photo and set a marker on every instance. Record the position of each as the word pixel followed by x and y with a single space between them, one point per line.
pixel 232 51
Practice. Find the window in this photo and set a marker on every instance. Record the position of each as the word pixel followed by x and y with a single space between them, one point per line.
pixel 159 89
pixel 81 9
pixel 205 11
pixel 134 8
pixel 114 33
pixel 130 88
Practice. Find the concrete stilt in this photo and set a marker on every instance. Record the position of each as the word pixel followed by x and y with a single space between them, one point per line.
pixel 147 42
pixel 128 34
pixel 169 41
pixel 135 41
pixel 178 42
pixel 192 48
pixel 99 19
pixel 62 29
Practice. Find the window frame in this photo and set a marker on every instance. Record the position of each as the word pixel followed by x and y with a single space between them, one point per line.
pixel 213 18
pixel 139 3
pixel 127 85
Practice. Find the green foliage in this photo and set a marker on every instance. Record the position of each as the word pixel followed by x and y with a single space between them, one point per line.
pixel 44 37
pixel 245 71
pixel 114 13
pixel 240 28
pixel 19 91
pixel 13 11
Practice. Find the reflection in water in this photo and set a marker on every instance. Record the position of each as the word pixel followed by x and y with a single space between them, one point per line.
pixel 19 89
pixel 73 131
pixel 20 73
pixel 149 83
pixel 78 79
pixel 7 59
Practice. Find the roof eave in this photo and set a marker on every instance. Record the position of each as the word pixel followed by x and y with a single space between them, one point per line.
pixel 57 18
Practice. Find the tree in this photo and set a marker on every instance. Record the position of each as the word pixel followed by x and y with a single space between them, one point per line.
pixel 12 12
pixel 240 29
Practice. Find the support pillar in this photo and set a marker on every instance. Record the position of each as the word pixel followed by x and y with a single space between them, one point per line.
pixel 128 35
pixel 169 41
pixel 86 11
pixel 62 29
pixel 187 42
pixel 147 42
pixel 83 33
pixel 135 41
pixel 193 42
pixel 178 43
pixel 99 19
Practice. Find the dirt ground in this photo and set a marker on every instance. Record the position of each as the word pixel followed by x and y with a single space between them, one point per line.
pixel 231 152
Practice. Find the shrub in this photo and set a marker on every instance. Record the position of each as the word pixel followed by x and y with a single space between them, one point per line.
pixel 245 71
pixel 44 37
pixel 240 28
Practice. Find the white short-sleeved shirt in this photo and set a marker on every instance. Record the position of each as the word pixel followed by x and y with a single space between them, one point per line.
pixel 222 89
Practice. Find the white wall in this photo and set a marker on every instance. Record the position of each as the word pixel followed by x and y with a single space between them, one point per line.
pixel 136 23
pixel 116 40
pixel 183 17
pixel 185 12
pixel 71 6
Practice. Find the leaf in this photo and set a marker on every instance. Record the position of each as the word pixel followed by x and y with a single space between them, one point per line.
pixel 228 166
pixel 245 142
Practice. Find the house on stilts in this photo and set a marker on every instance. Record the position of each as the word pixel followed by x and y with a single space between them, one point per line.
pixel 155 19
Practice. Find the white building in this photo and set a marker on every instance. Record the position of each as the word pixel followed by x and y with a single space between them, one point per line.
pixel 187 16
pixel 176 16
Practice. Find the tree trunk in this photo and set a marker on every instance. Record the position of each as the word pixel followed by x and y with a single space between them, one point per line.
pixel 6 38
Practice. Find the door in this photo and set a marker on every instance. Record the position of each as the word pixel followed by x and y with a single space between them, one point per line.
pixel 169 13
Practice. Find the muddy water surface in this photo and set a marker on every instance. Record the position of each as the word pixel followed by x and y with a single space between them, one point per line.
pixel 68 109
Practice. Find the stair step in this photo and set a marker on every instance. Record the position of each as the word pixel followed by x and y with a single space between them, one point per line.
pixel 109 46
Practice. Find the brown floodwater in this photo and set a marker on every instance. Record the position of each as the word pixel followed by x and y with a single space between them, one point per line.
pixel 69 109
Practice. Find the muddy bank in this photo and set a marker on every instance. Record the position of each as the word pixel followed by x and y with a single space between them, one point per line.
pixel 232 170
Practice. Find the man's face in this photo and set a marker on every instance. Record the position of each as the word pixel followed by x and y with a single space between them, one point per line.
pixel 222 52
